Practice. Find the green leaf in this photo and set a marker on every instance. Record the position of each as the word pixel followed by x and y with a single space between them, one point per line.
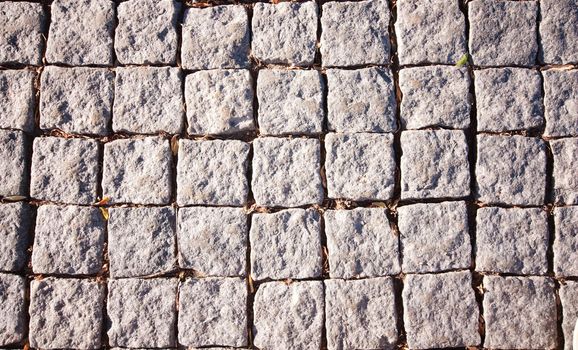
pixel 462 61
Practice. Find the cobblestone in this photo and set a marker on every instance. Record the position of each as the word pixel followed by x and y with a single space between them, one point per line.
pixel 13 161
pixel 565 153
pixel 566 241
pixel 12 309
pixel 15 222
pixel 558 32
pixel 21 37
pixel 560 102
pixel 17 99
pixel 569 300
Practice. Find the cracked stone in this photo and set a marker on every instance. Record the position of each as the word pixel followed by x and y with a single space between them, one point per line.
pixel 17 99
pixel 15 222
pixel 21 36
pixel 566 241
pixel 13 162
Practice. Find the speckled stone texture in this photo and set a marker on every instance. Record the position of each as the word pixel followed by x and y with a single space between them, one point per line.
pixel 12 309
pixel 15 222
pixel 21 35
pixel 561 102
pixel 360 314
pixel 558 31
pixel 14 163
pixel 565 153
pixel 288 316
pixel 566 241
pixel 361 243
pixel 569 299
pixel 17 99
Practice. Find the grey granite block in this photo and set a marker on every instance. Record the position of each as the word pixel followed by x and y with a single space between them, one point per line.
pixel 569 298
pixel 558 32
pixel 17 99
pixel 13 162
pixel 12 309
pixel 21 35
pixel 561 102
pixel 566 241
pixel 565 152
pixel 15 222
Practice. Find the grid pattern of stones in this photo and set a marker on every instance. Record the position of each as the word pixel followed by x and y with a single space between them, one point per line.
pixel 538 278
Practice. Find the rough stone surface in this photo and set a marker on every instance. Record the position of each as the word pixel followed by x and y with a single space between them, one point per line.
pixel 141 241
pixel 213 241
pixel 146 32
pixel 288 316
pixel 148 100
pixel 215 37
pixel 360 166
pixel 17 99
pixel 513 240
pixel 142 313
pixel 440 311
pixel 520 312
pixel 558 32
pixel 213 311
pixel 361 243
pixel 13 162
pixel 21 33
pixel 204 167
pixel 361 100
pixel 435 96
pixel 434 164
pixel 569 298
pixel 566 241
pixel 503 32
pixel 290 102
pixel 15 222
pixel 360 314
pixel 565 152
pixel 66 313
pixel 286 172
pixel 434 237
pixel 64 170
pixel 137 171
pixel 12 309
pixel 285 32
pixel 68 240
pixel 81 32
pixel 286 244
pixel 561 102
pixel 76 100
pixel 365 24
pixel 219 102
pixel 510 170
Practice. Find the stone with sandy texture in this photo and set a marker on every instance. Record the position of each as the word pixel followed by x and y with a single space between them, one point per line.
pixel 17 99
pixel 565 153
pixel 12 309
pixel 21 35
pixel 569 298
pixel 561 102
pixel 558 32
pixel 13 162
pixel 15 222
pixel 566 241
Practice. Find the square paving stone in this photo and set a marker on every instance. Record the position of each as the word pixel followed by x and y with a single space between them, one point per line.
pixel 290 101
pixel 558 31
pixel 361 243
pixel 430 31
pixel 15 222
pixel 286 172
pixel 68 240
pixel 288 316
pixel 21 36
pixel 148 100
pixel 510 170
pixel 435 96
pixel 142 313
pixel 17 99
pixel 285 32
pixel 65 170
pixel 508 99
pixel 440 311
pixel 66 313
pixel 565 152
pixel 81 32
pixel 360 166
pixel 561 102
pixel 13 162
pixel 566 241
pixel 569 298
pixel 361 314
pixel 12 309
pixel 503 32
pixel 213 311
pixel 216 37
pixel 76 100
pixel 286 244
pixel 137 171
pixel 513 240
pixel 520 312
pixel 434 164
pixel 361 100
pixel 141 241
pixel 365 24
pixel 434 237
pixel 213 241
pixel 204 167
pixel 146 32
pixel 219 102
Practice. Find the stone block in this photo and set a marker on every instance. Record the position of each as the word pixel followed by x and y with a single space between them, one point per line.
pixel 565 153
pixel 14 163
pixel 566 241
pixel 569 299
pixel 12 309
pixel 15 222
pixel 561 102
pixel 558 34
pixel 21 36
pixel 17 99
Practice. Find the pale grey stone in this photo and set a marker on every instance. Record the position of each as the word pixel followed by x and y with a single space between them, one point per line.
pixel 137 171
pixel 15 222
pixel 76 100
pixel 513 240
pixel 510 170
pixel 66 313
pixel 360 166
pixel 213 311
pixel 148 100
pixel 565 152
pixel 285 32
pixel 520 312
pixel 503 32
pixel 13 162
pixel 68 240
pixel 569 298
pixel 290 102
pixel 355 33
pixel 566 241
pixel 558 32
pixel 81 32
pixel 286 244
pixel 17 99
pixel 435 96
pixel 286 172
pixel 12 309
pixel 434 164
pixel 213 241
pixel 288 316
pixel 440 311
pixel 216 37
pixel 434 237
pixel 361 243
pixel 219 102
pixel 21 35
pixel 561 102
pixel 65 170
pixel 361 100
